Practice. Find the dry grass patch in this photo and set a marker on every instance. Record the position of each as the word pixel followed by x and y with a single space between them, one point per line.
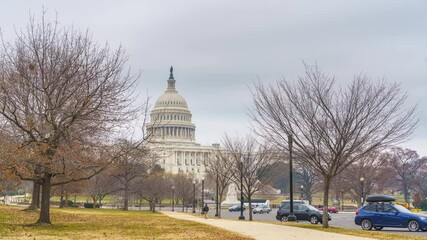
pixel 16 223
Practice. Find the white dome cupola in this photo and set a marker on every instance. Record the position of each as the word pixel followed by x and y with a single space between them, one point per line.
pixel 170 119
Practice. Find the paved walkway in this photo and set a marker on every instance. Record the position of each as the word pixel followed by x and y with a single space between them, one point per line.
pixel 265 231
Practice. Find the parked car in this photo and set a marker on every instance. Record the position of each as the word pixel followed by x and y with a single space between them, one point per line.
pixel 303 212
pixel 331 209
pixel 236 208
pixel 261 209
pixel 380 212
pixel 295 202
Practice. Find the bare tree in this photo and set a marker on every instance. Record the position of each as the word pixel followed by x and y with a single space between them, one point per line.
pixel 134 162
pixel 251 165
pixel 308 178
pixel 183 189
pixel 405 165
pixel 100 186
pixel 154 188
pixel 219 171
pixel 332 127
pixel 361 178
pixel 62 96
pixel 421 182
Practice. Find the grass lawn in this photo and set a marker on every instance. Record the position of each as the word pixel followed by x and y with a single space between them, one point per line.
pixel 356 232
pixel 15 223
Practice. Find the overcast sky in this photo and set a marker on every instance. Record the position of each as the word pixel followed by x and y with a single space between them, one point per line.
pixel 218 48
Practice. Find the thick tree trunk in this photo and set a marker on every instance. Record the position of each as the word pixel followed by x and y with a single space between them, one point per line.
pixel 327 183
pixel 219 204
pixel 94 200
pixel 250 207
pixel 35 199
pixel 126 203
pixel 183 205
pixel 153 206
pixel 62 202
pixel 45 203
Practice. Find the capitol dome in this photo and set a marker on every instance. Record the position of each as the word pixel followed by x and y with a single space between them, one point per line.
pixel 171 99
pixel 170 119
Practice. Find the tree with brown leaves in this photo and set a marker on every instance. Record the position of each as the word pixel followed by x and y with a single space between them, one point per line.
pixel 63 98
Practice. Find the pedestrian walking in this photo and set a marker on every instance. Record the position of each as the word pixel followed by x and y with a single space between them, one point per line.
pixel 205 211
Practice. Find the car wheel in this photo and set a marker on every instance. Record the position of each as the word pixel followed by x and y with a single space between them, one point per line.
pixel 283 219
pixel 378 228
pixel 413 226
pixel 366 224
pixel 314 219
pixel 424 230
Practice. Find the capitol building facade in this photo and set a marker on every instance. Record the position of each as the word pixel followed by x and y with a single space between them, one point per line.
pixel 175 135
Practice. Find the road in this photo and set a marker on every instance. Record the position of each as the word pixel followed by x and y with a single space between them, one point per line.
pixel 342 220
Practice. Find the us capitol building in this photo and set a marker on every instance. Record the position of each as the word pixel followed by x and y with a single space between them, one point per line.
pixel 171 128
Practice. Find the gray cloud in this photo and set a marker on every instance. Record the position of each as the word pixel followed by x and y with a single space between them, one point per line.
pixel 218 48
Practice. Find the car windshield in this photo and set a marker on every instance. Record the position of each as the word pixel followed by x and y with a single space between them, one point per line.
pixel 402 209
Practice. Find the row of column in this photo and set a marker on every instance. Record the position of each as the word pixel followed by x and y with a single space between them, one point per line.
pixel 180 132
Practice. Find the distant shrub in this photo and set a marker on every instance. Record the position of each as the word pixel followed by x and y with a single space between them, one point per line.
pixel 423 205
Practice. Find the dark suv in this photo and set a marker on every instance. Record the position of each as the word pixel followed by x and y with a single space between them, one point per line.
pixel 303 212
pixel 296 202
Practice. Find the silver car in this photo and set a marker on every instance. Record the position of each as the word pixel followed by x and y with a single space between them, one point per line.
pixel 261 209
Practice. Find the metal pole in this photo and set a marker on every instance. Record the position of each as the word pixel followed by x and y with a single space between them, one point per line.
pixel 194 196
pixel 203 189
pixel 173 198
pixel 342 200
pixel 291 217
pixel 217 191
pixel 302 192
pixel 362 199
pixel 241 217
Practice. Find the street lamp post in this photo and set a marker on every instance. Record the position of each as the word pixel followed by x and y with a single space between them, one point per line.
pixel 216 197
pixel 241 217
pixel 291 217
pixel 173 198
pixel 203 193
pixel 302 192
pixel 362 190
pixel 194 196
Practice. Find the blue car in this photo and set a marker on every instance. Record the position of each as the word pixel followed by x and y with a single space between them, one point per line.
pixel 380 212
